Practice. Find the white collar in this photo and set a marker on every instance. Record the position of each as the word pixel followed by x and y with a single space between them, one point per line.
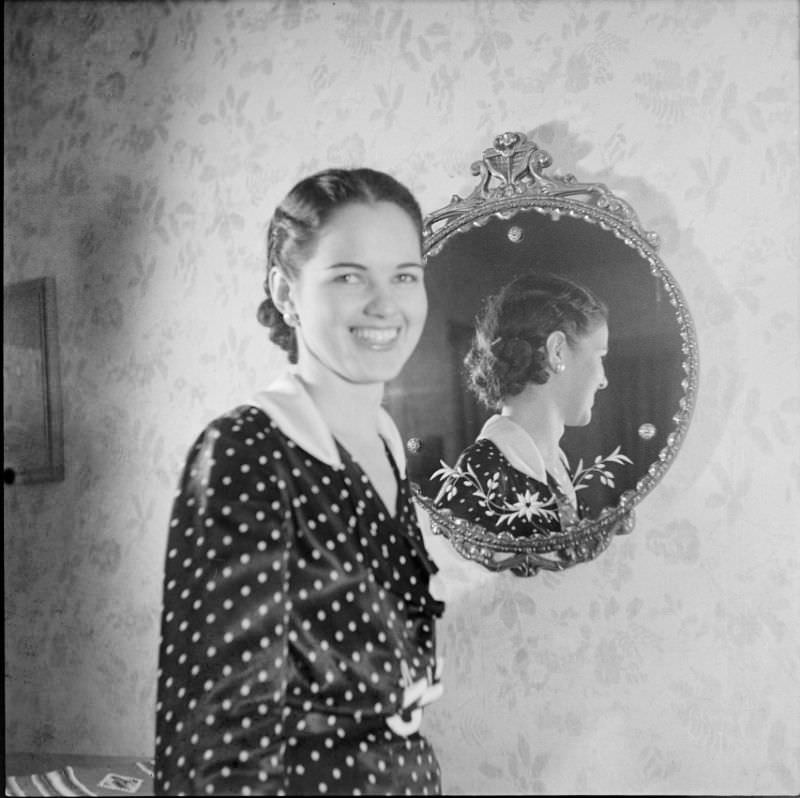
pixel 517 446
pixel 289 405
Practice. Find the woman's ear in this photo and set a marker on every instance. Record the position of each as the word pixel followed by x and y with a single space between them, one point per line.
pixel 555 346
pixel 280 289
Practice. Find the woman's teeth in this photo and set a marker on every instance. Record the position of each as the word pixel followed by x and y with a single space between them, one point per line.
pixel 376 336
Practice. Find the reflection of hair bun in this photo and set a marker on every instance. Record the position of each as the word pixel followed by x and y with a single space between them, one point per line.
pixel 508 351
pixel 513 358
pixel 515 352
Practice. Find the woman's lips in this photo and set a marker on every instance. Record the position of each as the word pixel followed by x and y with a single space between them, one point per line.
pixel 376 337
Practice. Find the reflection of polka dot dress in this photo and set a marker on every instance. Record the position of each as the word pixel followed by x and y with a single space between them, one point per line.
pixel 295 611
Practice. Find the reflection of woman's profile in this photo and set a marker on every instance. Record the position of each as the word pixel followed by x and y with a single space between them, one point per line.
pixel 536 358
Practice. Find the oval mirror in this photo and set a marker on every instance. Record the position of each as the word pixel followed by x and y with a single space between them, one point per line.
pixel 520 219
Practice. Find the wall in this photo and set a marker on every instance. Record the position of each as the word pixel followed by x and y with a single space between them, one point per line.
pixel 145 146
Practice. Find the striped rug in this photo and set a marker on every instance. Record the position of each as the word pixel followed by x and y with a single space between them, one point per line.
pixel 134 779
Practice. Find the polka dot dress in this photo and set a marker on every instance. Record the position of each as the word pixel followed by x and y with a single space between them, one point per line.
pixel 486 489
pixel 295 611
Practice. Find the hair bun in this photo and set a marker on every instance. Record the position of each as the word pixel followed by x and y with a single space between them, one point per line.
pixel 513 354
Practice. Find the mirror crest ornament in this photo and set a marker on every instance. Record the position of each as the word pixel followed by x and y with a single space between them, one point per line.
pixel 517 167
pixel 511 181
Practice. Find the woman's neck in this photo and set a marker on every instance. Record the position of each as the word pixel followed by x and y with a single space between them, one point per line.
pixel 351 412
pixel 349 409
pixel 539 417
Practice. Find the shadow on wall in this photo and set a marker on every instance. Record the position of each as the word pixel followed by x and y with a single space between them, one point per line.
pixel 517 666
pixel 69 594
pixel 710 303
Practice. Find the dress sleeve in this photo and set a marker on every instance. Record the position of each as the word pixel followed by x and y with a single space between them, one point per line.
pixel 469 489
pixel 457 577
pixel 223 659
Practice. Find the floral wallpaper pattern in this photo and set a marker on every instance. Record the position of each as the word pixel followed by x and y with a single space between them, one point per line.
pixel 145 146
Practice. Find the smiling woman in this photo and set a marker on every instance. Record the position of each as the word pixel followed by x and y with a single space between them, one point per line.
pixel 297 646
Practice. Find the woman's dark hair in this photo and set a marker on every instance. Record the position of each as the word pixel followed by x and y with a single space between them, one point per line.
pixel 508 349
pixel 298 220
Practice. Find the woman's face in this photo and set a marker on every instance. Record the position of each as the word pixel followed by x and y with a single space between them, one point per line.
pixel 360 297
pixel 584 374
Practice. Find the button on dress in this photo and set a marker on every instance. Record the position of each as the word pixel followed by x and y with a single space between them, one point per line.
pixel 296 610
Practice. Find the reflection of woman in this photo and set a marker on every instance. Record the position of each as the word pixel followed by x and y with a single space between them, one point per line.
pixel 298 629
pixel 537 357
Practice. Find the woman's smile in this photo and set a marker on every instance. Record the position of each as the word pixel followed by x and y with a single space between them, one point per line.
pixel 376 337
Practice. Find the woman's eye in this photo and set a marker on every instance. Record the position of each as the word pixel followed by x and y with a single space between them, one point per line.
pixel 409 277
pixel 347 277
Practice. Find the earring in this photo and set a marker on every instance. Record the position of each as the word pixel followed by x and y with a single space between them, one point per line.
pixel 560 367
pixel 291 319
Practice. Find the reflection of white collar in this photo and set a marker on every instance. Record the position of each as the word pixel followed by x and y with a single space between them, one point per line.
pixel 288 404
pixel 517 446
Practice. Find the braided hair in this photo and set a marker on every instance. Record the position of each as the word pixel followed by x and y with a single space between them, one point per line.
pixel 508 350
pixel 300 217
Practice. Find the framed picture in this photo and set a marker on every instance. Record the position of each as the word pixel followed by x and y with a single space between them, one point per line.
pixel 33 441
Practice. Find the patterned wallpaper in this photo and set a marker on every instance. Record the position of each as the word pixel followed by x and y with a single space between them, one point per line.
pixel 145 146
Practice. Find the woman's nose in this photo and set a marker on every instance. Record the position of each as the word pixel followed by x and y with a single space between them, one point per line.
pixel 381 301
pixel 603 384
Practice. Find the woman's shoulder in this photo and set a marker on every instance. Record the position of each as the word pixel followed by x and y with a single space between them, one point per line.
pixel 479 461
pixel 250 430
pixel 239 445
pixel 483 452
pixel 242 419
pixel 245 424
pixel 485 456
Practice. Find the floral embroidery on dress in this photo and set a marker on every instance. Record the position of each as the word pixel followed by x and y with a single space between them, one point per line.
pixel 484 487
pixel 528 505
pixel 600 469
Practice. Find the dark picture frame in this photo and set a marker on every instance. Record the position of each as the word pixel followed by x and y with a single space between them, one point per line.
pixel 33 440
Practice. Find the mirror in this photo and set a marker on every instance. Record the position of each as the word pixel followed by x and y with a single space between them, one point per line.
pixel 520 219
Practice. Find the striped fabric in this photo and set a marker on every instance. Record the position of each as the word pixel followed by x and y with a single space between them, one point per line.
pixel 135 779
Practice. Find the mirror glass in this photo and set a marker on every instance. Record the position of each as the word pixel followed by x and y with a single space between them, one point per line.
pixel 520 219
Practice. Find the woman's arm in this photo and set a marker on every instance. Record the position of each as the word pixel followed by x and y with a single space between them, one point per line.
pixel 224 647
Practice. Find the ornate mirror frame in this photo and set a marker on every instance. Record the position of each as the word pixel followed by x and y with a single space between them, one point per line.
pixel 511 178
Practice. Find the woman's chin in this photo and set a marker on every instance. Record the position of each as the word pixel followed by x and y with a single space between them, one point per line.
pixel 382 366
pixel 375 373
pixel 362 367
pixel 581 421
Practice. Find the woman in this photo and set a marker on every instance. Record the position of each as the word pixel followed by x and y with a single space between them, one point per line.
pixel 297 643
pixel 537 357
